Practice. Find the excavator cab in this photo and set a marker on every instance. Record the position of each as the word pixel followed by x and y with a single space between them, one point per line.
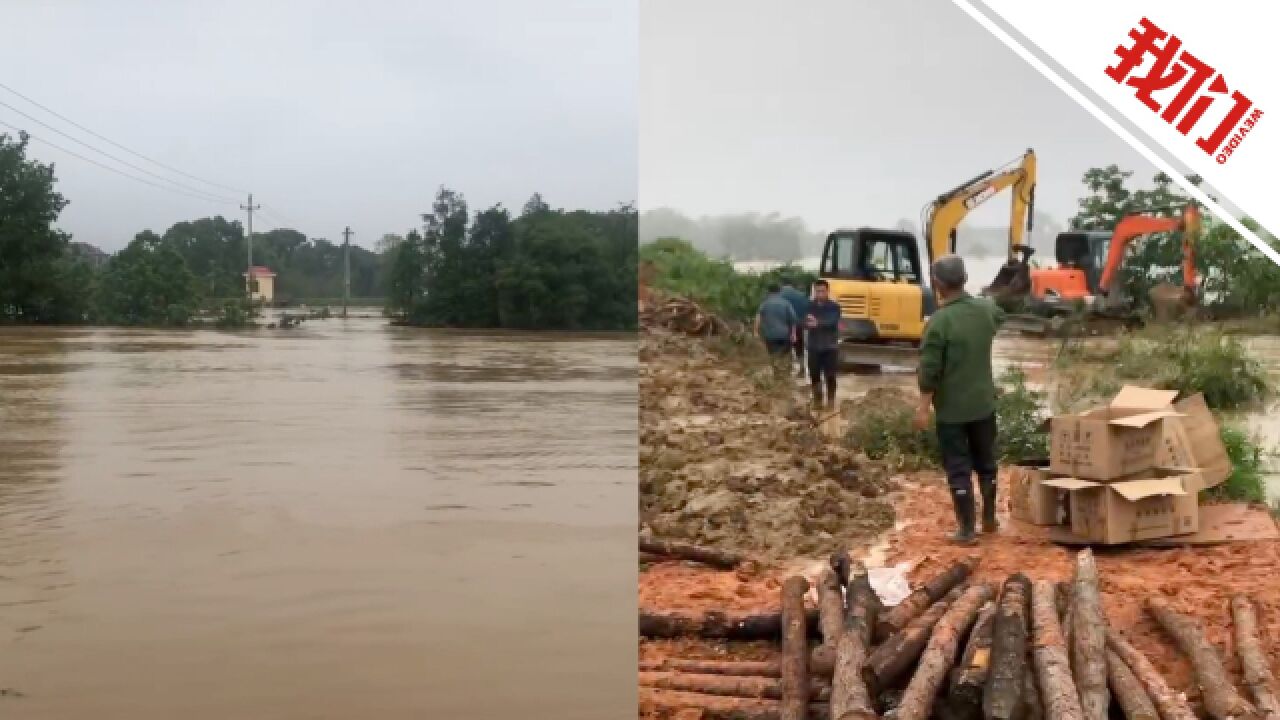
pixel 878 280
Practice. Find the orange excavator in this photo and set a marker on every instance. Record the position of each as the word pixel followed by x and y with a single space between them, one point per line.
pixel 1089 264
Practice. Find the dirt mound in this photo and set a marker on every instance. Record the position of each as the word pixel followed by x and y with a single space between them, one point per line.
pixel 729 458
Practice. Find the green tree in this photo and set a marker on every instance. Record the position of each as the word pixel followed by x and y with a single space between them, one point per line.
pixel 38 280
pixel 148 283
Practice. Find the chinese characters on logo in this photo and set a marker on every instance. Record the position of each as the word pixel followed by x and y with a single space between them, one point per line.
pixel 1174 67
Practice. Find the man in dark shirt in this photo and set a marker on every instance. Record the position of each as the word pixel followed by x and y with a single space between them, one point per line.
pixel 956 379
pixel 823 322
pixel 800 302
pixel 776 323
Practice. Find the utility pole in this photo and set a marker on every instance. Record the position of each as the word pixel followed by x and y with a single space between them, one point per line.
pixel 248 271
pixel 346 268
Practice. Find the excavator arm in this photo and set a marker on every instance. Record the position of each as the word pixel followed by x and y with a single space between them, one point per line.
pixel 945 214
pixel 1134 226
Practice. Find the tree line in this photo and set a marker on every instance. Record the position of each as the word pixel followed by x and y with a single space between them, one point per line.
pixel 546 269
pixel 543 269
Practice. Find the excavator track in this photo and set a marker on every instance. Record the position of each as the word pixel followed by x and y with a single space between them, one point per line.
pixel 858 354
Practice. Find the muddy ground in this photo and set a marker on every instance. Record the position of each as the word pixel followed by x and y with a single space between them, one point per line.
pixel 728 464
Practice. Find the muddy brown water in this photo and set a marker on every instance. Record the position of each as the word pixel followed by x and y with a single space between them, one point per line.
pixel 342 520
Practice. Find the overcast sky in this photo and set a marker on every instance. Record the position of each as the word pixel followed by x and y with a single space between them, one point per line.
pixel 331 113
pixel 847 112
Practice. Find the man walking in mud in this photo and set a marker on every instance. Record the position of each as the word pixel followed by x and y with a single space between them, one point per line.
pixel 777 324
pixel 823 322
pixel 956 380
pixel 800 303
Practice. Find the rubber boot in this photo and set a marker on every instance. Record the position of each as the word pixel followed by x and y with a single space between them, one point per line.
pixel 989 524
pixel 817 398
pixel 964 507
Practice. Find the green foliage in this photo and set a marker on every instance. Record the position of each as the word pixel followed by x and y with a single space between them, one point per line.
pixel 1192 361
pixel 546 270
pixel 1245 483
pixel 1020 416
pixel 682 270
pixel 148 283
pixel 39 282
pixel 884 432
pixel 236 313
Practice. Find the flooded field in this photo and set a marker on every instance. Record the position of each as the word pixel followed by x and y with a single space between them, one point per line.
pixel 341 520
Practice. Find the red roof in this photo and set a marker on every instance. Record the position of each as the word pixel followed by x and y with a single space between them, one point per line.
pixel 260 271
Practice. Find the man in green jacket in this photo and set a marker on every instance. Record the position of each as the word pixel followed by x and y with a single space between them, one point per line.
pixel 956 379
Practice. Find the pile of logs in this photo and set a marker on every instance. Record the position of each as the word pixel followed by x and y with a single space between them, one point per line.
pixel 682 315
pixel 961 650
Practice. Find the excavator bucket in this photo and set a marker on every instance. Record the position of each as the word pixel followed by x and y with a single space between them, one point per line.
pixel 1013 280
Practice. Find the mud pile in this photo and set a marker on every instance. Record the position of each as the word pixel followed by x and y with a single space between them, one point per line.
pixel 729 461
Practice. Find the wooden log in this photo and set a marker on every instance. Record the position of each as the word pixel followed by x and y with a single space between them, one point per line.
pixel 1220 697
pixel 1053 671
pixel 970 676
pixel 937 659
pixel 1253 661
pixel 715 625
pixel 822 661
pixel 1169 704
pixel 729 686
pixel 669 703
pixel 830 607
pixel 721 559
pixel 1032 708
pixel 1009 651
pixel 852 572
pixel 898 617
pixel 850 698
pixel 890 662
pixel 1089 639
pixel 1128 689
pixel 795 650
pixel 1062 598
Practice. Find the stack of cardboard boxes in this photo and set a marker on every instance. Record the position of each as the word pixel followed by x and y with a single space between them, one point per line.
pixel 1129 471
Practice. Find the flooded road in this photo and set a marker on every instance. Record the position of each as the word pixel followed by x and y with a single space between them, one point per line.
pixel 341 520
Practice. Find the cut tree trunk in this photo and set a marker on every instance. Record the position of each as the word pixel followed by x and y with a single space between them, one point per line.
pixel 1220 697
pixel 850 699
pixel 822 661
pixel 889 662
pixel 669 703
pixel 940 655
pixel 970 678
pixel 1129 691
pixel 684 551
pixel 853 573
pixel 830 607
pixel 1253 661
pixel 1171 705
pixel 714 625
pixel 1057 689
pixel 1088 633
pixel 1032 709
pixel 898 617
pixel 795 650
pixel 728 686
pixel 1062 598
pixel 1009 651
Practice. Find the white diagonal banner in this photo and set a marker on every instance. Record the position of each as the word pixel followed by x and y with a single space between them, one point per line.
pixel 1192 78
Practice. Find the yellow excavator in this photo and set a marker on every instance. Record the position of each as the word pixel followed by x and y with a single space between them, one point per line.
pixel 881 282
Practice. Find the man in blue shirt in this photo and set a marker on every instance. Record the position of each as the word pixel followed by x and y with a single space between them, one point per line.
pixel 800 303
pixel 823 321
pixel 776 323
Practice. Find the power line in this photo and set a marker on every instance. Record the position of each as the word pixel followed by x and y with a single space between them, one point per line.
pixel 118 145
pixel 126 163
pixel 117 171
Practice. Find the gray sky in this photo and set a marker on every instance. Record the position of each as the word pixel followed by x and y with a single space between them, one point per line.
pixel 847 112
pixel 331 113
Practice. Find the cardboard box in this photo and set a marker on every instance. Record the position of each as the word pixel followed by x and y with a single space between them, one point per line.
pixel 1160 503
pixel 1193 440
pixel 1107 443
pixel 1031 501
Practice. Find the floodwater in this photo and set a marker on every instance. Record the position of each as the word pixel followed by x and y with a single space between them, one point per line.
pixel 341 520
